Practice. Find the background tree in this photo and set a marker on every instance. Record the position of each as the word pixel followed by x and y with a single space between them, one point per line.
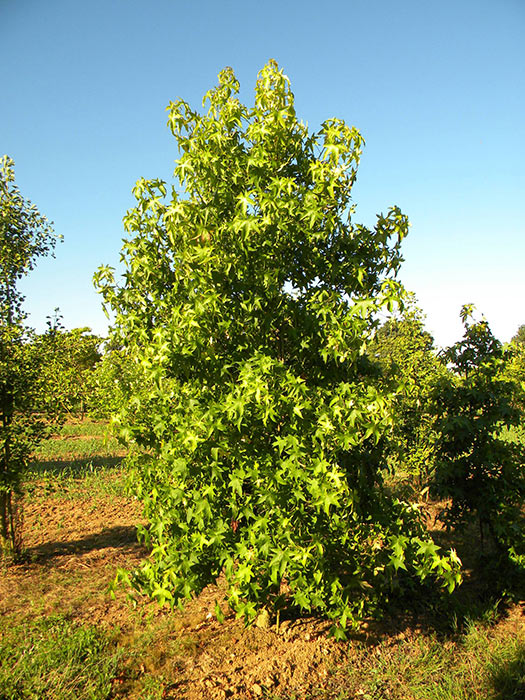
pixel 114 381
pixel 246 305
pixel 513 371
pixel 71 360
pixel 480 471
pixel 519 337
pixel 409 365
pixel 25 235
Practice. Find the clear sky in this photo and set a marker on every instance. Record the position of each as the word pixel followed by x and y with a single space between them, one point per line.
pixel 437 89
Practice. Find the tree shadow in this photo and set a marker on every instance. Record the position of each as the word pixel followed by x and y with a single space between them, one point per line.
pixel 121 537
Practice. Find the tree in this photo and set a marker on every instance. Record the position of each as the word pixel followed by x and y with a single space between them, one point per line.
pixel 71 359
pixel 246 304
pixel 113 382
pixel 513 371
pixel 409 364
pixel 480 472
pixel 25 235
pixel 519 337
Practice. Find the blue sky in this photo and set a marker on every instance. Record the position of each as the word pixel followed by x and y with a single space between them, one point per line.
pixel 436 88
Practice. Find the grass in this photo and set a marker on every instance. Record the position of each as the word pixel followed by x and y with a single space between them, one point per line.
pixel 82 458
pixel 88 427
pixel 477 664
pixel 82 440
pixel 75 480
pixel 53 658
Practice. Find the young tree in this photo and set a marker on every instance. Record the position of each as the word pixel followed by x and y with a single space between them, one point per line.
pixel 25 235
pixel 519 336
pixel 113 382
pixel 477 469
pixel 71 359
pixel 246 304
pixel 409 364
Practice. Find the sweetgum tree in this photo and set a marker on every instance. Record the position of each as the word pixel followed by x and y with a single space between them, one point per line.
pixel 246 303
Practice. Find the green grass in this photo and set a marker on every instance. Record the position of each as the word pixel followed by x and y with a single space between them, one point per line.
pixel 82 448
pixel 71 447
pixel 57 660
pixel 85 439
pixel 475 665
pixel 86 427
pixel 53 658
pixel 75 481
pixel 81 459
pixel 506 670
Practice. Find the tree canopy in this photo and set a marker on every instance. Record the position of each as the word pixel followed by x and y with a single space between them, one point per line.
pixel 519 336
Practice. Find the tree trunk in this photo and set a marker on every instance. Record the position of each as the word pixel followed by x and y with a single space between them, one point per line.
pixel 4 520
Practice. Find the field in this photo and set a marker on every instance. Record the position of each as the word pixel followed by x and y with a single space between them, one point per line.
pixel 63 636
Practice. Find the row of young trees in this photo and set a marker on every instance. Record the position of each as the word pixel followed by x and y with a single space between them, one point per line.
pixel 263 402
pixel 459 424
pixel 25 235
pixel 43 377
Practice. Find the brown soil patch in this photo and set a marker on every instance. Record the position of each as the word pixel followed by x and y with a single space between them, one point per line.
pixel 220 660
pixel 72 550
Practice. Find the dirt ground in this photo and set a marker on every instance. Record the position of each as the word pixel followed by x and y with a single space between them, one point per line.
pixel 73 550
